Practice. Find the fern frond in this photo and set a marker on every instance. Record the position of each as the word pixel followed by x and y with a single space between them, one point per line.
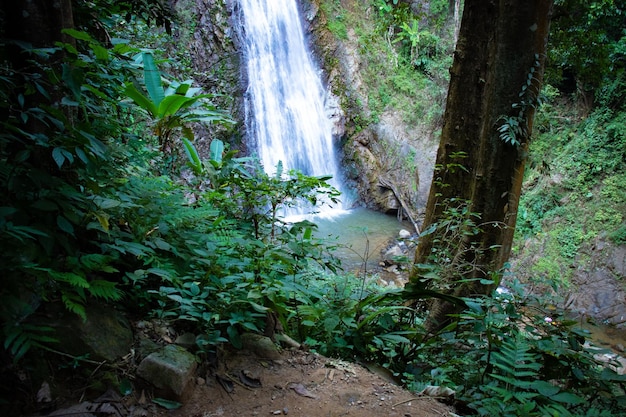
pixel 97 262
pixel 504 394
pixel 70 278
pixel 104 289
pixel 513 382
pixel 19 339
pixel 514 359
pixel 74 304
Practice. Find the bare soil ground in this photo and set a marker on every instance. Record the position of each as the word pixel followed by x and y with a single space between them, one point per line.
pixel 302 384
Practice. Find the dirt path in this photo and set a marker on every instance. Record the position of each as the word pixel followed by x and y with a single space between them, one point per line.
pixel 302 384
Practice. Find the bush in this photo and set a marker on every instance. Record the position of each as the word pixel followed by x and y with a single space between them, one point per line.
pixel 508 356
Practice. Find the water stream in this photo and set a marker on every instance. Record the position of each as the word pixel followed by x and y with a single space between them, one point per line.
pixel 362 234
pixel 284 101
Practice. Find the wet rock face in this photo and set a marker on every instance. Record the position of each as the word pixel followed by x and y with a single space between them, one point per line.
pixel 215 60
pixel 596 290
pixel 373 153
pixel 600 292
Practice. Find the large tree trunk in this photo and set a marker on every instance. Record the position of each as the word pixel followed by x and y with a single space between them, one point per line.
pixel 38 22
pixel 500 43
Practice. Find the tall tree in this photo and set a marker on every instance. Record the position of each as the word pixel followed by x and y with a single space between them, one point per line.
pixel 494 86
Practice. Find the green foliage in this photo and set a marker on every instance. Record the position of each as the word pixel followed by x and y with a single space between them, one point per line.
pixel 574 187
pixel 619 235
pixel 85 216
pixel 336 24
pixel 57 140
pixel 514 129
pixel 173 108
pixel 518 360
pixel 80 203
pixel 247 278
pixel 402 69
pixel 20 338
pixel 425 49
pixel 586 49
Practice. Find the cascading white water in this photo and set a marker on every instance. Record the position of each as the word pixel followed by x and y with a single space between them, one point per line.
pixel 284 100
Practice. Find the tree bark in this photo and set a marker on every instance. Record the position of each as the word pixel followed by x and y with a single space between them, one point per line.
pixel 500 43
pixel 38 22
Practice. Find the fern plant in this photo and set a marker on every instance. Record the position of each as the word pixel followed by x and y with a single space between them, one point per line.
pixel 515 387
pixel 504 359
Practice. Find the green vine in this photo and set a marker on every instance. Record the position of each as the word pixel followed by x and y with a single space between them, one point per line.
pixel 513 128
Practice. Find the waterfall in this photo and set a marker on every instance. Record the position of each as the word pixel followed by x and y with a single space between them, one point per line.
pixel 284 101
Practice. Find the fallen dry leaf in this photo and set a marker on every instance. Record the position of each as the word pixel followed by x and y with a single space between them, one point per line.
pixel 249 380
pixel 301 390
pixel 44 395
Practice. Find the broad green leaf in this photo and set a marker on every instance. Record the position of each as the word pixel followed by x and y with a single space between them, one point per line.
pixel 192 154
pixel 152 78
pixel 258 307
pixel 216 151
pixel 106 203
pixel 194 289
pixel 331 323
pixel 58 156
pixel 610 375
pixel 103 219
pixel 140 100
pixel 77 34
pixel 567 398
pixel 545 388
pixel 395 338
pixel 161 244
pixel 183 88
pixel 234 337
pixel 65 225
pixel 74 78
pixel 163 273
pixel 81 155
pixel 95 145
pixel 170 105
pixel 100 52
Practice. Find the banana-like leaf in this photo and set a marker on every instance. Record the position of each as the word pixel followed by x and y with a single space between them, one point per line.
pixel 216 151
pixel 152 78
pixel 183 88
pixel 140 99
pixel 170 105
pixel 208 116
pixel 192 154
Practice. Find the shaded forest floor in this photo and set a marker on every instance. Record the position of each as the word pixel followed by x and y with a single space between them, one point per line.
pixel 296 383
pixel 304 384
